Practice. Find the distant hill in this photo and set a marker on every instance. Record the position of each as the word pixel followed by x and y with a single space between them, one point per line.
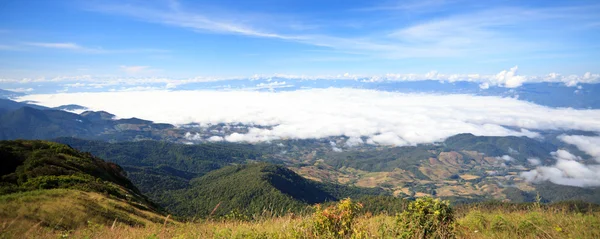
pixel 70 107
pixel 27 121
pixel 519 148
pixel 9 105
pixel 31 123
pixel 37 177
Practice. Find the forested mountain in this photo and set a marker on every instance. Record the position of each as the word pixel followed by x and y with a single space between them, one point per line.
pixel 254 189
pixel 157 167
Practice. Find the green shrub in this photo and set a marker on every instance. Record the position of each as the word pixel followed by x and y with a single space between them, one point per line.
pixel 426 218
pixel 236 215
pixel 499 223
pixel 335 221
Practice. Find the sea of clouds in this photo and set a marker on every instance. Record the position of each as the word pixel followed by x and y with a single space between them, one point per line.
pixel 385 118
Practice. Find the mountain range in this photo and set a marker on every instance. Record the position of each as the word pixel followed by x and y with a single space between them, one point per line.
pixel 216 178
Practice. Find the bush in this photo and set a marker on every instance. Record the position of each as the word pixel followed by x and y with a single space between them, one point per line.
pixel 335 221
pixel 426 218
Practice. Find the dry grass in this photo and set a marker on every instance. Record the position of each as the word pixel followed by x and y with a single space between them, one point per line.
pixel 474 224
pixel 75 214
pixel 62 209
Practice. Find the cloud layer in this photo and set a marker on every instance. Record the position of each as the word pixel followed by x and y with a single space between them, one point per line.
pixel 383 117
pixel 136 77
pixel 568 170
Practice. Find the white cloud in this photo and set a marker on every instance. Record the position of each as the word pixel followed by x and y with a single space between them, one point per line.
pixel 566 171
pixel 21 90
pixel 66 46
pixel 354 141
pixel 588 144
pixel 383 117
pixel 193 137
pixel 534 161
pixel 506 158
pixel 134 70
pixel 509 79
pixel 215 139
pixel 56 45
pixel 512 151
pixel 334 147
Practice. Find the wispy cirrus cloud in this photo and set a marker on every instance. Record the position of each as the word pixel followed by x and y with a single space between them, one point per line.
pixel 21 90
pixel 408 6
pixel 71 46
pixel 474 33
pixel 74 47
pixel 172 14
pixel 65 46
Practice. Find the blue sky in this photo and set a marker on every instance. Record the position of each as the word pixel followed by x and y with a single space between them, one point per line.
pixel 183 39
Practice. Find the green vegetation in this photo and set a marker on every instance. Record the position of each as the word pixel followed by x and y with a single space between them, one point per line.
pixel 157 168
pixel 336 221
pixel 425 218
pixel 498 146
pixel 254 190
pixel 33 165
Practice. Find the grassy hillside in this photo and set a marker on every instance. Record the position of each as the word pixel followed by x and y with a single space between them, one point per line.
pixel 476 221
pixel 54 185
pixel 32 165
pixel 68 209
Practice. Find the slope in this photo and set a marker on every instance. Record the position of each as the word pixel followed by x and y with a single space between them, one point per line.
pixel 58 186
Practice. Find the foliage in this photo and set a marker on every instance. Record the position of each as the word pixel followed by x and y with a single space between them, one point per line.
pixel 382 204
pixel 157 168
pixel 335 221
pixel 427 218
